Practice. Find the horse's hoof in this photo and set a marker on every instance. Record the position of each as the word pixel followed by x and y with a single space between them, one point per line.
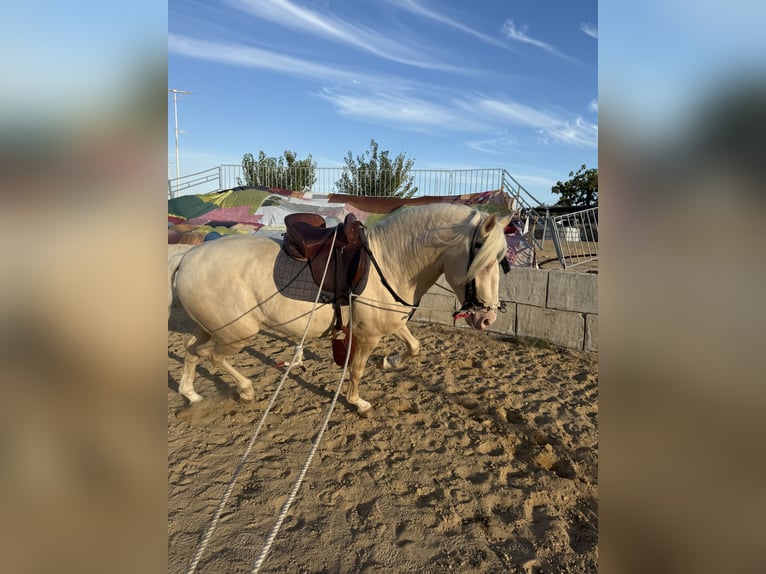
pixel 195 398
pixel 392 363
pixel 247 398
pixel 367 413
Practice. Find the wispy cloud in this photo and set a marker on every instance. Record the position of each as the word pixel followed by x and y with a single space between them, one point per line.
pixel 257 58
pixel 593 106
pixel 400 109
pixel 417 8
pixel 511 31
pixel 494 146
pixel 589 29
pixel 578 133
pixel 394 101
pixel 379 43
pixel 548 126
pixel 377 99
pixel 513 112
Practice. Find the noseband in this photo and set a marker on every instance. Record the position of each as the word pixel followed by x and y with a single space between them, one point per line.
pixel 471 303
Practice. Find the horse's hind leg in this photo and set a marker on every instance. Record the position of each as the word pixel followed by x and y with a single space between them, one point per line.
pixel 191 359
pixel 208 348
pixel 245 385
pixel 363 349
pixel 413 348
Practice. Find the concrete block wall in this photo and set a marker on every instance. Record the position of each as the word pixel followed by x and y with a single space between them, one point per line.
pixel 560 307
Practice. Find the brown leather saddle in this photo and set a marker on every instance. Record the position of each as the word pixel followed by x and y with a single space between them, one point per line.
pixel 309 238
pixel 347 260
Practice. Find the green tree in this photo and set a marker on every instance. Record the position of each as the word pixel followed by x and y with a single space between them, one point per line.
pixel 286 172
pixel 581 190
pixel 375 175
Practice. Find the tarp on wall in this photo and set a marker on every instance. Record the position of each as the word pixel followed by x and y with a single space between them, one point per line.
pixel 198 218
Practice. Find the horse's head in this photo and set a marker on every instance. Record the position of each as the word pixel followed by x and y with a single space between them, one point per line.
pixel 475 274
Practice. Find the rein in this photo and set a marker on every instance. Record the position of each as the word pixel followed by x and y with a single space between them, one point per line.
pixel 383 280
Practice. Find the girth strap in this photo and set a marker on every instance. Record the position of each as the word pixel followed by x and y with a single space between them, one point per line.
pixel 340 345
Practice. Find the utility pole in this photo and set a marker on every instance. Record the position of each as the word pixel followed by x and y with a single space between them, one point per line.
pixel 175 114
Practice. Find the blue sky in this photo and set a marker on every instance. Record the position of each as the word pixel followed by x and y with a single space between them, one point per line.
pixel 451 84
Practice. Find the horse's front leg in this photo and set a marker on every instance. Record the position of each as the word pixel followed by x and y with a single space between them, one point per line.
pixel 364 347
pixel 413 348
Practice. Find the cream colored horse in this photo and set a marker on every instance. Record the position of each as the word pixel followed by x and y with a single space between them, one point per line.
pixel 228 288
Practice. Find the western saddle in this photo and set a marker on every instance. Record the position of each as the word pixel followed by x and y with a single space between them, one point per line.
pixel 309 239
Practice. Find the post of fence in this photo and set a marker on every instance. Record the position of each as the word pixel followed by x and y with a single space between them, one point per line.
pixel 556 242
pixel 545 228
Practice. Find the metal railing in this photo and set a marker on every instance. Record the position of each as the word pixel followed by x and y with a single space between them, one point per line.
pixel 529 208
pixel 575 237
pixel 327 180
pixel 187 182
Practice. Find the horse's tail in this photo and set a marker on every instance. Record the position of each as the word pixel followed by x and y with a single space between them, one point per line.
pixel 174 261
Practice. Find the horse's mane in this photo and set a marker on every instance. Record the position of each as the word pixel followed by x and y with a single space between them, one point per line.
pixel 445 225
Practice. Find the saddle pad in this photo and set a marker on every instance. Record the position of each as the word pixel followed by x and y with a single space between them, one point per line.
pixel 293 279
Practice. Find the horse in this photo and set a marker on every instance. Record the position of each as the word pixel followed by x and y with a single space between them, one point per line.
pixel 229 290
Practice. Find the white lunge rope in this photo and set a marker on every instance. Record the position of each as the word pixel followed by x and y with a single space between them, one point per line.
pixel 230 487
pixel 259 560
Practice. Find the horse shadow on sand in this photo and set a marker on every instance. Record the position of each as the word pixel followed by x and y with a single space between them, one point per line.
pixel 225 390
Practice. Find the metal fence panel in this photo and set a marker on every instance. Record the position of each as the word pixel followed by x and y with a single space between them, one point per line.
pixel 575 237
pixel 186 182
pixel 529 208
pixel 326 180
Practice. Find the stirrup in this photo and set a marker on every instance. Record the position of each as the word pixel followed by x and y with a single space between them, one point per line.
pixel 340 345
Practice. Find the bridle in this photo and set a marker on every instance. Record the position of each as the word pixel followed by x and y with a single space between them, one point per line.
pixel 471 303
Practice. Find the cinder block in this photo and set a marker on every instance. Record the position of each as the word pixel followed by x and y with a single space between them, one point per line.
pixel 441 285
pixel 523 285
pixel 436 306
pixel 591 333
pixel 422 314
pixel 563 328
pixel 437 300
pixel 572 291
pixel 505 322
pixel 441 316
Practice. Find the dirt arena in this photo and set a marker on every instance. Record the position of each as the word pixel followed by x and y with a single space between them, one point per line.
pixel 481 457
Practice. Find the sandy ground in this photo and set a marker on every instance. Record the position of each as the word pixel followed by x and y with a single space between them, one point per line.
pixel 481 457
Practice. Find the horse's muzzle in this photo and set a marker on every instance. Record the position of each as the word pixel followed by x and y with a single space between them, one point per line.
pixel 481 320
pixel 479 317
